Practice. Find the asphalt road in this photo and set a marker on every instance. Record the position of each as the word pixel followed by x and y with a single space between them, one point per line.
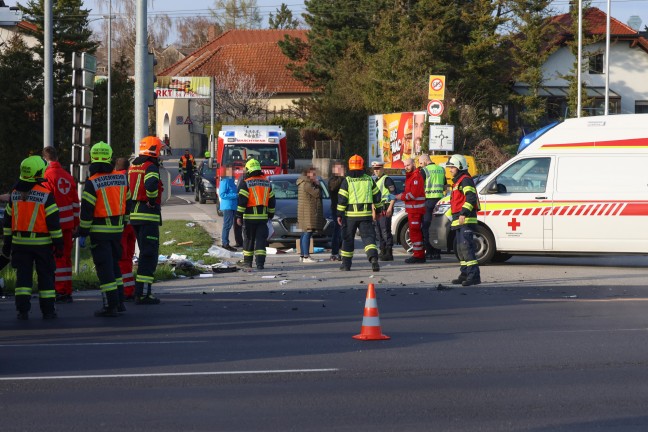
pixel 542 345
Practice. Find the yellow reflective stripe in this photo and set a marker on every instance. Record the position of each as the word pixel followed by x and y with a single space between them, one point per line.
pixel 51 209
pixel 86 196
pixel 22 291
pixel 144 279
pixel 260 252
pixel 344 192
pixel 468 206
pixel 36 241
pixel 106 202
pixel 144 217
pixel 341 207
pixel 47 294
pixel 346 254
pixel 112 286
pixel 7 231
pixel 370 247
pixel 471 263
pixel 245 193
pixel 56 233
pixel 240 209
pixel 252 216
pixel 151 175
pixel 34 215
pixel 468 189
pixel 85 223
pixel 106 229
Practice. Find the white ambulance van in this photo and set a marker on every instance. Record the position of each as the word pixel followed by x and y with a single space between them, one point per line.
pixel 580 188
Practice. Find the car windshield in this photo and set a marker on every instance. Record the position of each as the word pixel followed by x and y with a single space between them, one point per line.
pixel 286 188
pixel 266 154
pixel 207 172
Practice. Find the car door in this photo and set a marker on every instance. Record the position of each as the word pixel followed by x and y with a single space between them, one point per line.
pixel 517 205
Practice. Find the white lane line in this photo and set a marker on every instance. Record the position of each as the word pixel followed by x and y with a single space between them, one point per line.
pixel 174 374
pixel 96 344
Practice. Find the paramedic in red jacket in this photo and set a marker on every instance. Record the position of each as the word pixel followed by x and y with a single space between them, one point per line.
pixel 66 195
pixel 128 241
pixel 414 197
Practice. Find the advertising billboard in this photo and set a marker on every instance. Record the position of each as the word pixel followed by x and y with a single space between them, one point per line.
pixel 395 137
pixel 168 87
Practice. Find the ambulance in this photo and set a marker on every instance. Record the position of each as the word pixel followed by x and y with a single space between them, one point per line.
pixel 579 187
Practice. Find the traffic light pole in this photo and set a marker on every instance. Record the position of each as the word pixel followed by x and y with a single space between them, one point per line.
pixel 141 53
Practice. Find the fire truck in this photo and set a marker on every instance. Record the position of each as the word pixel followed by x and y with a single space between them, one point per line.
pixel 237 144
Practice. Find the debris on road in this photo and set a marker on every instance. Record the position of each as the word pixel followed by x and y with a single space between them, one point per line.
pixel 169 242
pixel 185 243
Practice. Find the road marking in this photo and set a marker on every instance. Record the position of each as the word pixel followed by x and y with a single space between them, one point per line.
pixel 585 300
pixel 174 374
pixel 96 344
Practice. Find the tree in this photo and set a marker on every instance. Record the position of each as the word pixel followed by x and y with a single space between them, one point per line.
pixel 283 19
pixel 21 125
pixel 71 33
pixel 237 14
pixel 122 109
pixel 194 32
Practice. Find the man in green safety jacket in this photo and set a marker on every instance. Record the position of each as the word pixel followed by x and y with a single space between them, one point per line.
pixel 358 193
pixel 382 225
pixel 435 184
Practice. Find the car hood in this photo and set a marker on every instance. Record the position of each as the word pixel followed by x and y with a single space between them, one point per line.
pixel 287 208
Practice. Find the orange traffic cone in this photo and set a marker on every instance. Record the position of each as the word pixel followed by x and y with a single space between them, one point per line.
pixel 370 321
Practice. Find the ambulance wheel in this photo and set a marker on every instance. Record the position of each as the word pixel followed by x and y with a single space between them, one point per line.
pixel 484 245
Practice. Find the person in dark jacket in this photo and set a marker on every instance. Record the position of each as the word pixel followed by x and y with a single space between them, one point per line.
pixel 334 184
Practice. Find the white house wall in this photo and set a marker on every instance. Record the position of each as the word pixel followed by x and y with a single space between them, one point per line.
pixel 628 68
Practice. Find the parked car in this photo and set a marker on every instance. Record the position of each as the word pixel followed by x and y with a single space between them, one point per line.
pixel 284 222
pixel 205 183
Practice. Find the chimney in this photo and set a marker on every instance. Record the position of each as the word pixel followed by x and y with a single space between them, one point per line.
pixel 211 33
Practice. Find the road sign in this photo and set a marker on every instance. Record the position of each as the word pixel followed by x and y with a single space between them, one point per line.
pixel 441 138
pixel 178 181
pixel 435 108
pixel 436 87
pixel 188 121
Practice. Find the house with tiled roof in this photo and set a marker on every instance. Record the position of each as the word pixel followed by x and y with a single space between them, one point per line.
pixel 250 52
pixel 11 24
pixel 627 74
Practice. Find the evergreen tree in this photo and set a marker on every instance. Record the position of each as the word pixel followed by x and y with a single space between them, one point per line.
pixel 71 33
pixel 283 19
pixel 20 113
pixel 122 109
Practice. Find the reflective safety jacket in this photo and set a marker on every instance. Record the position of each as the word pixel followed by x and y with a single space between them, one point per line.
pixel 256 200
pixel 62 184
pixel 186 162
pixel 357 194
pixel 386 186
pixel 435 180
pixel 145 189
pixel 414 193
pixel 464 200
pixel 32 217
pixel 103 203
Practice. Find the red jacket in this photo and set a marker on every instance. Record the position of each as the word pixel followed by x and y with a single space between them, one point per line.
pixel 414 192
pixel 62 184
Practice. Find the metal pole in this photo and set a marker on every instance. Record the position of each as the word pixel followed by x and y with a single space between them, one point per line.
pixel 108 137
pixel 607 60
pixel 580 43
pixel 48 77
pixel 141 52
pixel 212 143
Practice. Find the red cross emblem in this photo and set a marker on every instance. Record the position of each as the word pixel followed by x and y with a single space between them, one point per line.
pixel 514 224
pixel 63 186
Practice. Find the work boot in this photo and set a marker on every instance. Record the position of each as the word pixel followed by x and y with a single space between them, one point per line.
pixel 147 300
pixel 245 263
pixel 389 254
pixel 469 282
pixel 49 315
pixel 375 267
pixel 346 264
pixel 459 280
pixel 414 260
pixel 106 312
pixel 121 307
pixel 381 254
pixel 23 316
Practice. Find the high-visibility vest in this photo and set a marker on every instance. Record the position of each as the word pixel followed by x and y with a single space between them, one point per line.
pixel 29 217
pixel 110 190
pixel 458 202
pixel 258 193
pixel 184 159
pixel 137 177
pixel 434 181
pixel 384 191
pixel 359 192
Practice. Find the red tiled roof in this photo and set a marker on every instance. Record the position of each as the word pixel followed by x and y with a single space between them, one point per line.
pixel 28 26
pixel 253 52
pixel 595 19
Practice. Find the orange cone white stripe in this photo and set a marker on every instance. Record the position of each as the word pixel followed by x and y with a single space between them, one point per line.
pixel 371 321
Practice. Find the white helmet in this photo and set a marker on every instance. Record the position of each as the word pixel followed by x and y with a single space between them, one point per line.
pixel 457 161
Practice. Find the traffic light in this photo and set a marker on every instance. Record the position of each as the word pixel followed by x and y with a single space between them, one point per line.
pixel 84 67
pixel 151 62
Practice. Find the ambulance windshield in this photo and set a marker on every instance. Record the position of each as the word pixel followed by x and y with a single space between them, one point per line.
pixel 266 154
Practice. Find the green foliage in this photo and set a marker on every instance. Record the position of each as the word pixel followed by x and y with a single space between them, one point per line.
pixel 20 113
pixel 283 19
pixel 236 14
pixel 122 110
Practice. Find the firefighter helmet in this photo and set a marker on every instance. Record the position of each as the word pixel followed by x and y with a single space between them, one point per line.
pixel 32 169
pixel 252 165
pixel 457 161
pixel 150 146
pixel 101 152
pixel 207 154
pixel 356 162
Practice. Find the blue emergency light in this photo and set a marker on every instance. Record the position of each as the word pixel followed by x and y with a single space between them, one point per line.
pixel 530 137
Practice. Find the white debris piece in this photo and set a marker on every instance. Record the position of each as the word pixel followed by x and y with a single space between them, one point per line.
pixel 219 252
pixel 284 282
pixel 169 242
pixel 269 277
pixel 191 224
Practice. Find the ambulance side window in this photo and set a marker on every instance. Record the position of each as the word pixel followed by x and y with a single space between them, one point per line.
pixel 524 176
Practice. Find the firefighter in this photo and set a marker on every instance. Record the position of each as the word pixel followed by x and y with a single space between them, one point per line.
pixel 382 225
pixel 128 240
pixel 187 165
pixel 103 207
pixel 435 183
pixel 31 228
pixel 414 197
pixel 357 194
pixel 64 188
pixel 464 205
pixel 145 214
pixel 256 206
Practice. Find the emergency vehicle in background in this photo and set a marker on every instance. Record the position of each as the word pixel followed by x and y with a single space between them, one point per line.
pixel 236 144
pixel 579 187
